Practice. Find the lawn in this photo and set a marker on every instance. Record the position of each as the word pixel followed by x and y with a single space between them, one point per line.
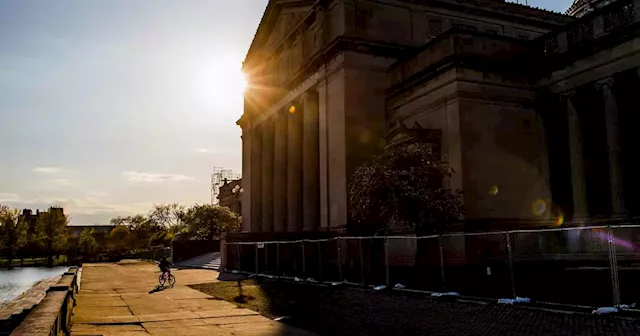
pixel 339 311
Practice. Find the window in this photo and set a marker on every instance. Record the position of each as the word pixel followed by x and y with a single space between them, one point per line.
pixel 435 28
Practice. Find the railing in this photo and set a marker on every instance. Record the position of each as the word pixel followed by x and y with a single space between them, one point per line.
pixel 593 266
pixel 52 316
pixel 604 21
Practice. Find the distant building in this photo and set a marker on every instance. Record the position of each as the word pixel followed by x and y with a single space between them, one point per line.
pixel 32 218
pixel 75 230
pixel 230 195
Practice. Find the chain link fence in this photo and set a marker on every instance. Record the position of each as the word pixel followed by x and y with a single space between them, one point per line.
pixel 595 266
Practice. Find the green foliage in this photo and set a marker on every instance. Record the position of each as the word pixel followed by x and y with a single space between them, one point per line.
pixel 402 188
pixel 120 240
pixel 52 232
pixel 87 245
pixel 13 232
pixel 208 221
pixel 170 216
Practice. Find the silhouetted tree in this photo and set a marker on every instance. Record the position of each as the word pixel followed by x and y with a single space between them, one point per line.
pixel 13 232
pixel 402 187
pixel 87 244
pixel 52 232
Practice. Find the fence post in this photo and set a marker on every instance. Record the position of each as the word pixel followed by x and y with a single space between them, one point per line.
pixel 339 259
pixel 278 259
pixel 304 261
pixel 319 261
pixel 613 265
pixel 441 248
pixel 509 250
pixel 386 260
pixel 266 258
pixel 256 258
pixel 238 257
pixel 361 261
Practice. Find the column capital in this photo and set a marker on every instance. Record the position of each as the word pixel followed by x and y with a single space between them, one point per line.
pixel 604 83
pixel 566 96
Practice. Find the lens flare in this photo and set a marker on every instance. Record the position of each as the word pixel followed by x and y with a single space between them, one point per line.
pixel 493 190
pixel 539 207
pixel 560 219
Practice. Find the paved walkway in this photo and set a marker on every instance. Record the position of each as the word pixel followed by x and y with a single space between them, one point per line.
pixel 115 299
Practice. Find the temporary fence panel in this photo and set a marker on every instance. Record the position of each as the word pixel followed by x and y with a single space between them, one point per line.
pixel 625 246
pixel 351 264
pixel 415 263
pixel 374 260
pixel 248 261
pixel 477 264
pixel 328 258
pixel 557 265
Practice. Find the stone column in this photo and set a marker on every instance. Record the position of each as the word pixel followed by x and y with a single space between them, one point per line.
pixel 613 146
pixel 247 138
pixel 280 174
pixel 256 180
pixel 294 169
pixel 578 180
pixel 311 162
pixel 267 175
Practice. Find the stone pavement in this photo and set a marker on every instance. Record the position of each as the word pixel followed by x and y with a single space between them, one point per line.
pixel 115 299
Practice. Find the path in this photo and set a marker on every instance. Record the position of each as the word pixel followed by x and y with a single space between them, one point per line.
pixel 114 299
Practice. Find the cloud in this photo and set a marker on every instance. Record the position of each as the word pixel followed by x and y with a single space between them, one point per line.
pixel 61 181
pixel 132 176
pixel 9 197
pixel 47 170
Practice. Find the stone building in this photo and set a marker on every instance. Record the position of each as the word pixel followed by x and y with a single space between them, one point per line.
pixel 533 109
pixel 230 195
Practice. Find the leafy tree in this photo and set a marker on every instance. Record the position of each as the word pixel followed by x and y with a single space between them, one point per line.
pixel 87 244
pixel 208 221
pixel 142 229
pixel 164 238
pixel 52 232
pixel 170 216
pixel 402 187
pixel 119 240
pixel 13 232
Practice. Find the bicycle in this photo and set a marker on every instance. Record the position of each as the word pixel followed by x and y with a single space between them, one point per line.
pixel 166 277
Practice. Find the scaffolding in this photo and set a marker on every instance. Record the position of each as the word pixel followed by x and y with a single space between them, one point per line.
pixel 218 177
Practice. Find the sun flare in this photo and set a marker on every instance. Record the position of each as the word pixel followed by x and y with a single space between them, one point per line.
pixel 222 84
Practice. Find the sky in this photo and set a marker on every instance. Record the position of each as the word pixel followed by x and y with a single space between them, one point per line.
pixel 110 106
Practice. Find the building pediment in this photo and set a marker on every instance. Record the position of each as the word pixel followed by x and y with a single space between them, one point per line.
pixel 279 19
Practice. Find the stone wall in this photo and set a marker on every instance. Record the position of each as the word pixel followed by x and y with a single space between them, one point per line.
pixel 52 316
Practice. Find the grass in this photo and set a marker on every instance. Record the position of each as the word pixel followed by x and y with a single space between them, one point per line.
pixel 338 311
pixel 61 260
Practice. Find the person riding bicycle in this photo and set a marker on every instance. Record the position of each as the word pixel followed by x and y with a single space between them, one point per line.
pixel 164 265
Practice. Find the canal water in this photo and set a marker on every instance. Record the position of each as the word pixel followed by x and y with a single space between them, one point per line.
pixel 16 281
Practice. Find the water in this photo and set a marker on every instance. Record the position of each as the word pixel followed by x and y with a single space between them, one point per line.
pixel 16 281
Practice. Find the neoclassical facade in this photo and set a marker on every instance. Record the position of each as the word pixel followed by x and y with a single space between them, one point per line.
pixel 531 108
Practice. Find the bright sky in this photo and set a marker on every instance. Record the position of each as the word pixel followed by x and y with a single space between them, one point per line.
pixel 109 106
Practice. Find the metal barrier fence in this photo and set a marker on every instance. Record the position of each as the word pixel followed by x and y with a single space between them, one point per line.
pixel 595 266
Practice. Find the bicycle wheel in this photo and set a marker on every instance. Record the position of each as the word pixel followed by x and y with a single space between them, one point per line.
pixel 172 280
pixel 162 279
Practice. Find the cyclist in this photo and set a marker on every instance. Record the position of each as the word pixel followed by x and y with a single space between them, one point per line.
pixel 164 266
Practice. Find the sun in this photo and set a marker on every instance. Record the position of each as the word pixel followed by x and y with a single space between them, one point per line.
pixel 222 84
